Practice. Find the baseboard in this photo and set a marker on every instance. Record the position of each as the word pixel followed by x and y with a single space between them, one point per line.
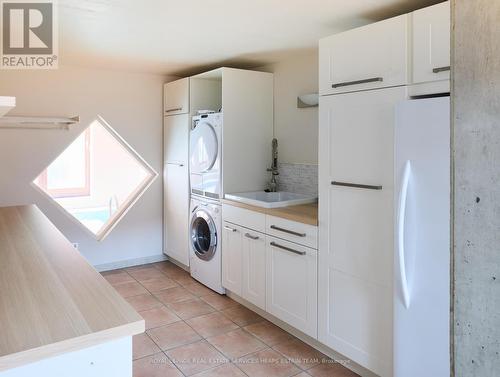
pixel 130 262
pixel 177 263
pixel 349 364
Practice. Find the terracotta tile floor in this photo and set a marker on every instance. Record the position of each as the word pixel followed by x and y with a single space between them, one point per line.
pixel 193 331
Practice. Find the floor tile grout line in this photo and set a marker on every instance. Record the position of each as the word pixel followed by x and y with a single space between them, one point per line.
pixel 290 360
pixel 174 364
pixel 231 358
pixel 198 341
pixel 270 348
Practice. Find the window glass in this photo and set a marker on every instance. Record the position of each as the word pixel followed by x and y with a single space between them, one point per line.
pixel 97 178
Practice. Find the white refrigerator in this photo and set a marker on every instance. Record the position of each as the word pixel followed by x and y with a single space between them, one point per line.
pixel 422 238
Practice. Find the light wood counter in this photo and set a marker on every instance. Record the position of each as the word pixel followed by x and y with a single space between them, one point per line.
pixel 304 213
pixel 51 300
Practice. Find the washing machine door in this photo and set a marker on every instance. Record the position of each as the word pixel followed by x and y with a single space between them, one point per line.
pixel 203 147
pixel 203 234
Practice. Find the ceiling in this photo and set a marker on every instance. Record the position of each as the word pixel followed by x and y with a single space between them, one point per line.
pixel 187 36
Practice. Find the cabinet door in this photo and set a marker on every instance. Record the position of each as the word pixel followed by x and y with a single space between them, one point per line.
pixel 357 137
pixel 372 56
pixel 176 212
pixel 356 225
pixel 176 139
pixel 254 268
pixel 431 43
pixel 232 257
pixel 176 97
pixel 292 284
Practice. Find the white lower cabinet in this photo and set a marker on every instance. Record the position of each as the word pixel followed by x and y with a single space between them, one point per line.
pixel 292 284
pixel 232 257
pixel 254 268
pixel 276 274
pixel 244 263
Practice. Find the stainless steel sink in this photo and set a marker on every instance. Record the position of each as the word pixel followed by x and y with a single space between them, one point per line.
pixel 271 199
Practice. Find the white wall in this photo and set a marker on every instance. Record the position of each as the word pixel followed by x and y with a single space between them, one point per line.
pixel 296 129
pixel 131 103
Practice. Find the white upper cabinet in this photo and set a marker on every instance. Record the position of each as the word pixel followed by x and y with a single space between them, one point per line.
pixel 431 43
pixel 176 97
pixel 372 56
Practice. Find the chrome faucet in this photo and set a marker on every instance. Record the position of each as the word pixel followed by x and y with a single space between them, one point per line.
pixel 273 185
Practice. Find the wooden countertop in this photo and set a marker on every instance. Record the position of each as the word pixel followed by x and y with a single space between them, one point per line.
pixel 304 213
pixel 51 300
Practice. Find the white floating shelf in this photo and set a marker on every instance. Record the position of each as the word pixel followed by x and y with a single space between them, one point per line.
pixel 6 104
pixel 37 122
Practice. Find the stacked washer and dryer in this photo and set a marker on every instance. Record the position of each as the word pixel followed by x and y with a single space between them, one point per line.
pixel 201 166
pixel 205 168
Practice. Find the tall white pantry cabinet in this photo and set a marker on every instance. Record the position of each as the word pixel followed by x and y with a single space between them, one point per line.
pixel 364 73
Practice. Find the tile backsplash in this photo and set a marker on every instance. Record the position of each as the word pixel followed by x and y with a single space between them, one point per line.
pixel 298 178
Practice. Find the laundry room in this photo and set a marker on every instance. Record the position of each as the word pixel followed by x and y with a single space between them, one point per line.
pixel 238 188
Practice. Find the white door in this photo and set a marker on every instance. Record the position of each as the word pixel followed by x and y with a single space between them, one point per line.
pixel 292 284
pixel 254 268
pixel 372 56
pixel 232 257
pixel 176 212
pixel 176 187
pixel 422 263
pixel 431 43
pixel 176 97
pixel 356 174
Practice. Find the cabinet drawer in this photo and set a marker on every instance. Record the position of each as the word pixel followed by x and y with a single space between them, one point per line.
pixel 292 231
pixel 176 97
pixel 244 217
pixel 372 56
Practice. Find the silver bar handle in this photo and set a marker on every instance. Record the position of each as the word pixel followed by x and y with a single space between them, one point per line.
pixel 175 163
pixel 357 185
pixel 287 231
pixel 274 244
pixel 248 235
pixel 357 82
pixel 230 229
pixel 174 109
pixel 441 69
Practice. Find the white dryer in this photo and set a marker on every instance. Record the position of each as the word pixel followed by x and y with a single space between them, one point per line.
pixel 205 149
pixel 205 243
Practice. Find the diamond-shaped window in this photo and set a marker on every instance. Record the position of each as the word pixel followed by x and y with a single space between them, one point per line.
pixel 97 178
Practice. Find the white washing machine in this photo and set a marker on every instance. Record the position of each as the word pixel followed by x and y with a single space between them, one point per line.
pixel 205 149
pixel 205 243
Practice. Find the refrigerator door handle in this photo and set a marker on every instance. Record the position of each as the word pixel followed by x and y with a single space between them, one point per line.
pixel 401 233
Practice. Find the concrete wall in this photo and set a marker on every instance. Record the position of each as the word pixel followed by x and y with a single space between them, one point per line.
pixel 296 129
pixel 476 118
pixel 131 103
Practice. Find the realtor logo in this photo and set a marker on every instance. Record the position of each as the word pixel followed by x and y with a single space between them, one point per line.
pixel 29 34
